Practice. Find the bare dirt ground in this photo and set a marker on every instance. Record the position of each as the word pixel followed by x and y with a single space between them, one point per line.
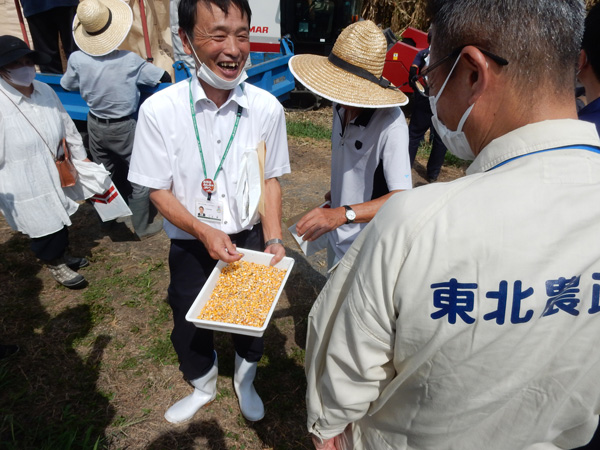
pixel 96 365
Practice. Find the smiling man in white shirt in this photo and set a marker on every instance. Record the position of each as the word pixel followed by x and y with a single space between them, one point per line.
pixel 196 147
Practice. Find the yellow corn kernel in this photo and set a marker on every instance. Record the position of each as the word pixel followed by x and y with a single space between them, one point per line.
pixel 243 294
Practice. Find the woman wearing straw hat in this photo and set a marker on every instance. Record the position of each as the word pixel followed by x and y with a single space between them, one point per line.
pixel 32 124
pixel 108 81
pixel 369 139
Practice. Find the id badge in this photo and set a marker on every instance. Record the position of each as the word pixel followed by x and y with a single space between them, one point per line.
pixel 209 211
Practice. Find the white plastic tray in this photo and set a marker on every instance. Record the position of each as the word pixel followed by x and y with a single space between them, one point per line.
pixel 204 295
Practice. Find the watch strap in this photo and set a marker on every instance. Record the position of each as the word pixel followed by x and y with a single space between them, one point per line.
pixel 273 241
pixel 348 208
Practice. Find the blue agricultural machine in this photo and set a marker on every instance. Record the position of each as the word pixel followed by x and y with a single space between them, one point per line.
pixel 269 71
pixel 308 26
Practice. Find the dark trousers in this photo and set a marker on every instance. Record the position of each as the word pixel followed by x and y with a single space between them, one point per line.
pixel 46 27
pixel 51 247
pixel 420 122
pixel 190 266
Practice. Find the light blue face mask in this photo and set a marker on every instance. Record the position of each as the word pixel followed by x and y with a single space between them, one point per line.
pixel 455 141
pixel 205 74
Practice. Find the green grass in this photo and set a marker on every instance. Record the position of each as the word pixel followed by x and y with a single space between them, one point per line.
pixel 161 350
pixel 449 160
pixel 73 432
pixel 49 397
pixel 307 129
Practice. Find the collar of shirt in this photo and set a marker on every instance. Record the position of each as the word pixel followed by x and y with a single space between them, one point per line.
pixel 591 107
pixel 533 138
pixel 15 95
pixel 236 95
pixel 363 118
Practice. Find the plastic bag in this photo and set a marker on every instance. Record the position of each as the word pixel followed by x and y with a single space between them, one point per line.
pixel 93 179
pixel 249 187
pixel 110 204
pixel 94 183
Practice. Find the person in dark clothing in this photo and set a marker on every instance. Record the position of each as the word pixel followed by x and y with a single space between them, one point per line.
pixel 49 19
pixel 589 68
pixel 420 120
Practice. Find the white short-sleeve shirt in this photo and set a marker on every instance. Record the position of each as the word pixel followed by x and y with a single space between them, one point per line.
pixel 166 155
pixel 376 135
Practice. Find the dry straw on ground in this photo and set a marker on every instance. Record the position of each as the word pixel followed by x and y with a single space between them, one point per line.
pixel 400 14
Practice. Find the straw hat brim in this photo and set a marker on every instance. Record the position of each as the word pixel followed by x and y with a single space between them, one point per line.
pixel 106 42
pixel 336 84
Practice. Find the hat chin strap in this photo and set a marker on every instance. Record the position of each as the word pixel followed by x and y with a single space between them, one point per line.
pixel 359 71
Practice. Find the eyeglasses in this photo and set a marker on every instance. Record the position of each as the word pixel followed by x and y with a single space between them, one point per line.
pixel 454 54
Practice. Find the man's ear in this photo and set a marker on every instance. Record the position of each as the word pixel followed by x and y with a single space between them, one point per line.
pixel 480 72
pixel 582 61
pixel 187 45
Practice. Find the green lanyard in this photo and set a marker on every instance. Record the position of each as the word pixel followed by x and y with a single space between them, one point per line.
pixel 208 185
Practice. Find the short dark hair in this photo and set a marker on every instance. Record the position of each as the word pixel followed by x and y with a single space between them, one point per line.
pixel 187 11
pixel 591 39
pixel 540 38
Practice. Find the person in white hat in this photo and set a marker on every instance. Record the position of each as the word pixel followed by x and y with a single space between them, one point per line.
pixel 369 139
pixel 108 80
pixel 194 146
pixel 466 316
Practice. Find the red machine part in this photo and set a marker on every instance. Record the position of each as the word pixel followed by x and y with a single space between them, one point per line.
pixel 22 22
pixel 149 57
pixel 400 57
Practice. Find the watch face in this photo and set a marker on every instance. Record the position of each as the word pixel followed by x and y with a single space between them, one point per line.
pixel 350 215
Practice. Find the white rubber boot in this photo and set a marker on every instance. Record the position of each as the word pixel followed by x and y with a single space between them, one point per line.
pixel 250 403
pixel 205 391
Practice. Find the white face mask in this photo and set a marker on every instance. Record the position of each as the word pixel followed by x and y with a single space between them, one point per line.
pixel 22 76
pixel 207 75
pixel 455 141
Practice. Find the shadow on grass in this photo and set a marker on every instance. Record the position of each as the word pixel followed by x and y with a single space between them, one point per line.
pixel 48 391
pixel 281 384
pixel 186 439
pixel 280 379
pixel 302 288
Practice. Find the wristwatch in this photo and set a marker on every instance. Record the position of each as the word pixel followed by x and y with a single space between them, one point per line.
pixel 350 214
pixel 273 241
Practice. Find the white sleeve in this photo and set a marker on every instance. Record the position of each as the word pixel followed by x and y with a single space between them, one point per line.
pixel 148 73
pixel 149 165
pixel 277 158
pixel 70 80
pixel 72 136
pixel 396 161
pixel 349 350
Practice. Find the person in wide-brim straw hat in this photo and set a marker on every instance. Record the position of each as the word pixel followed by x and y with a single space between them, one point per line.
pixel 100 26
pixel 109 80
pixel 352 74
pixel 369 136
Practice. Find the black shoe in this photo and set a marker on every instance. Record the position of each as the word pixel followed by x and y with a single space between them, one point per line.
pixel 75 263
pixel 8 350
